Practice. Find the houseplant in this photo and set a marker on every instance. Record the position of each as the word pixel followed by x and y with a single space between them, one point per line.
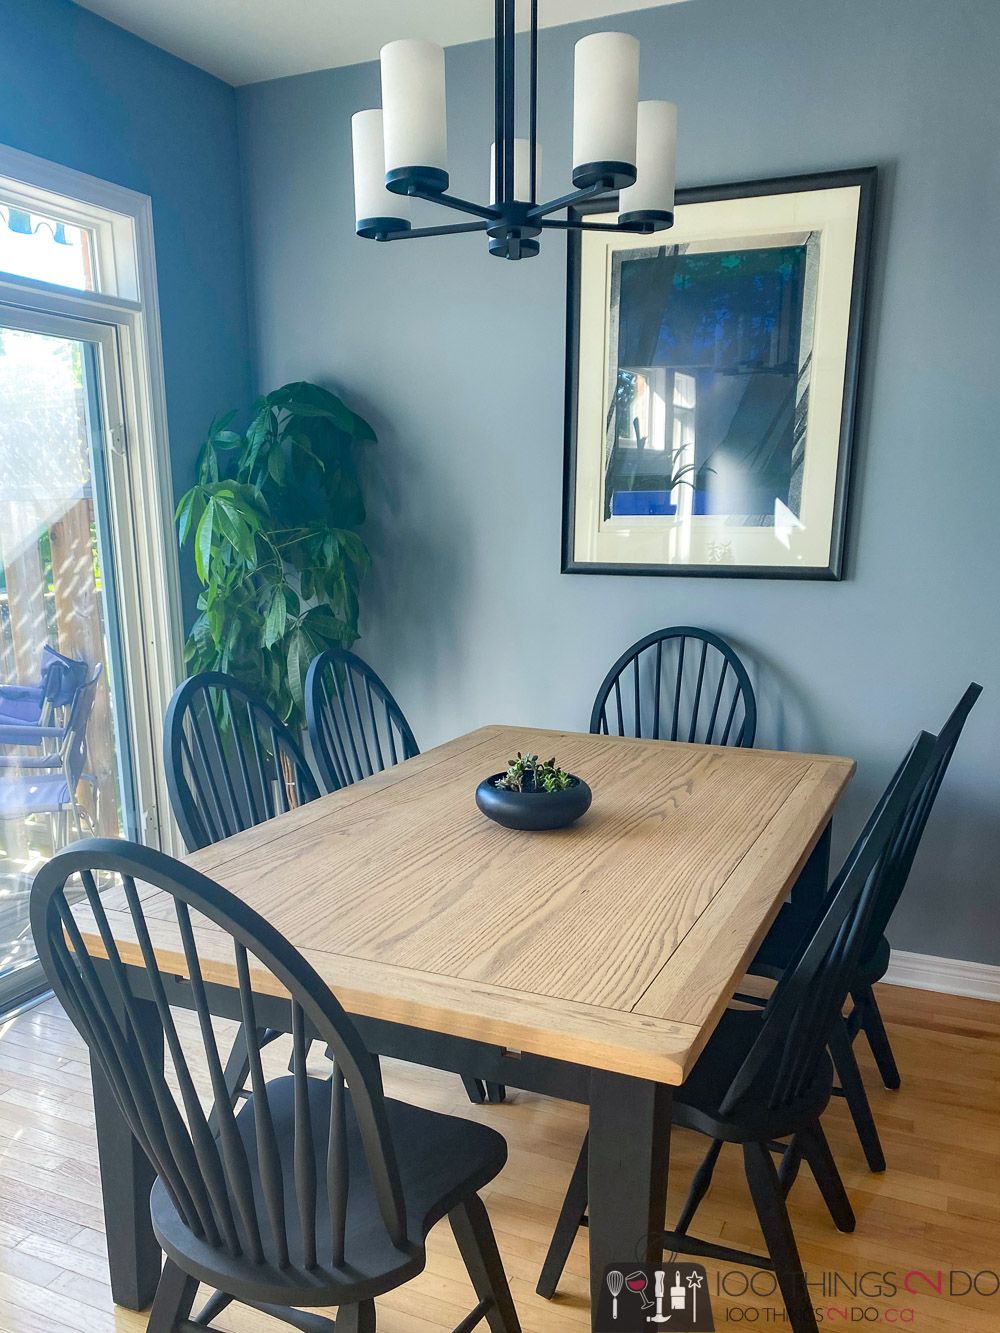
pixel 533 794
pixel 273 518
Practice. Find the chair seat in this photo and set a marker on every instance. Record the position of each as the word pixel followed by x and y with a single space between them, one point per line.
pixel 698 1100
pixel 442 1160
pixel 792 926
pixel 21 796
pixel 32 761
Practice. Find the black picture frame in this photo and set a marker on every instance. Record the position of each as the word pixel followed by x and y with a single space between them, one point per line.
pixel 865 179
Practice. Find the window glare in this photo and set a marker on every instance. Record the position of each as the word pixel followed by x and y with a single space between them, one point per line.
pixel 33 245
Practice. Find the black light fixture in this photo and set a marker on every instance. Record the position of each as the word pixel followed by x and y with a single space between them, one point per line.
pixel 620 145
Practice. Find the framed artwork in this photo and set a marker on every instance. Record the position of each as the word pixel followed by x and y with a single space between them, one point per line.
pixel 712 382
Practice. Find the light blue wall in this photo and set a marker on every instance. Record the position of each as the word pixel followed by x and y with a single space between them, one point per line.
pixel 82 92
pixel 458 360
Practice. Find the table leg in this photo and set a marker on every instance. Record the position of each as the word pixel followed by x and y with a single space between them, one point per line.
pixel 627 1173
pixel 127 1177
pixel 810 888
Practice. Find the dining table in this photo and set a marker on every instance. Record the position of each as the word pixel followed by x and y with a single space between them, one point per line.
pixel 589 963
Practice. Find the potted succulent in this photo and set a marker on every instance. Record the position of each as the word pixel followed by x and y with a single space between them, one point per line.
pixel 533 794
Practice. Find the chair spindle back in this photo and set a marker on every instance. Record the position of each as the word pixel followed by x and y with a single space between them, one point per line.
pixel 907 841
pixel 236 1191
pixel 678 684
pixel 804 1006
pixel 356 727
pixel 231 762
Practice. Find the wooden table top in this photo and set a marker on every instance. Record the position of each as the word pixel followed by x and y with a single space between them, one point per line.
pixel 615 943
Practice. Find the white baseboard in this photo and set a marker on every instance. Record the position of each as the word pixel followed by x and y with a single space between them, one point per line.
pixel 952 976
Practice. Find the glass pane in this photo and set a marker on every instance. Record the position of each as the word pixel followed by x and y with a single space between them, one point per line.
pixel 33 245
pixel 61 725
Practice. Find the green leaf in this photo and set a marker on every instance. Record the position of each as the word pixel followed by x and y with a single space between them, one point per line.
pixel 203 542
pixel 300 654
pixel 189 512
pixel 301 399
pixel 219 424
pixel 354 549
pixel 234 528
pixel 277 467
pixel 277 617
pixel 321 620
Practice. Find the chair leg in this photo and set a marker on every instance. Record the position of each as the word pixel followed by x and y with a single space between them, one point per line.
pixel 174 1298
pixel 788 1168
pixel 570 1221
pixel 699 1187
pixel 878 1038
pixel 853 1087
pixel 476 1091
pixel 216 1303
pixel 816 1151
pixel 470 1223
pixel 762 1177
pixel 355 1318
pixel 496 1093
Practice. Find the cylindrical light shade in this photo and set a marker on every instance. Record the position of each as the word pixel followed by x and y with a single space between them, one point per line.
pixel 376 211
pixel 605 98
pixel 413 106
pixel 650 201
pixel 522 171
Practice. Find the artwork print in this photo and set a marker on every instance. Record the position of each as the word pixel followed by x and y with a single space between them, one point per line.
pixel 712 384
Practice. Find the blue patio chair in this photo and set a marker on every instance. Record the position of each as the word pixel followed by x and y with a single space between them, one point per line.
pixel 21 706
pixel 49 784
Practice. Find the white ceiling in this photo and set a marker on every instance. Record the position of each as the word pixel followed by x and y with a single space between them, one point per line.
pixel 245 41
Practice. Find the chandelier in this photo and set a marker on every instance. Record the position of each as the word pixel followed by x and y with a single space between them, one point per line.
pixel 620 146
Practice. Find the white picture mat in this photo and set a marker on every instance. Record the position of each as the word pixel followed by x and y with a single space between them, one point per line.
pixel 658 540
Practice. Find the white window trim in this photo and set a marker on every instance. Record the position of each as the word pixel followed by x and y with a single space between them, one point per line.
pixel 122 221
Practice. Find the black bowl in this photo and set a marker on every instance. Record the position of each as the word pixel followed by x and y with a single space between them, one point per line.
pixel 533 809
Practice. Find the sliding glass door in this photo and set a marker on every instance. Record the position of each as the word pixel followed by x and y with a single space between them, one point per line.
pixel 66 754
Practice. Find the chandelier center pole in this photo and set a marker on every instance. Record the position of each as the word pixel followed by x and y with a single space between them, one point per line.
pixel 623 149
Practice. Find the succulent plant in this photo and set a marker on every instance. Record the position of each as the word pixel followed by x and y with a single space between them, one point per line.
pixel 527 773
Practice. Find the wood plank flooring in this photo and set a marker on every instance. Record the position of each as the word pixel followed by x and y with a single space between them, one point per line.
pixel 936 1209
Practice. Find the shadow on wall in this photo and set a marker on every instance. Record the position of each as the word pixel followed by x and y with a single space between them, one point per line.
pixel 408 553
pixel 784 714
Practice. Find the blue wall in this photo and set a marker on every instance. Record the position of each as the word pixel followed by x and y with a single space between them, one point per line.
pixel 82 92
pixel 458 361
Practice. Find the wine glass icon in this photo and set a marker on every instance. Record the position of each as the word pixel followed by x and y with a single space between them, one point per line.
pixel 615 1280
pixel 638 1282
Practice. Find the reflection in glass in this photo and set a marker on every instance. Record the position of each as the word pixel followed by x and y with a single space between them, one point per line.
pixel 59 747
pixel 709 361
pixel 33 245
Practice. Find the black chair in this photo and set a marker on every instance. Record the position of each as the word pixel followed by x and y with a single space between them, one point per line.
pixel 231 762
pixel 766 1075
pixel 679 684
pixel 356 727
pixel 794 924
pixel 357 730
pixel 319 1192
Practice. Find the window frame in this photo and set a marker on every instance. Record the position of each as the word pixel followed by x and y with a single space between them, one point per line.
pixel 137 441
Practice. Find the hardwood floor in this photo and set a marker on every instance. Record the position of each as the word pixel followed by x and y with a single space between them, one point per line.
pixel 936 1209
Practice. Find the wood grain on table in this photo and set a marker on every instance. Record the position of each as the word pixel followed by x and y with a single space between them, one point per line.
pixel 615 943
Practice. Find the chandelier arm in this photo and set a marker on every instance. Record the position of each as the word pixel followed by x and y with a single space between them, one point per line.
pixel 567 200
pixel 448 229
pixel 564 224
pixel 453 201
